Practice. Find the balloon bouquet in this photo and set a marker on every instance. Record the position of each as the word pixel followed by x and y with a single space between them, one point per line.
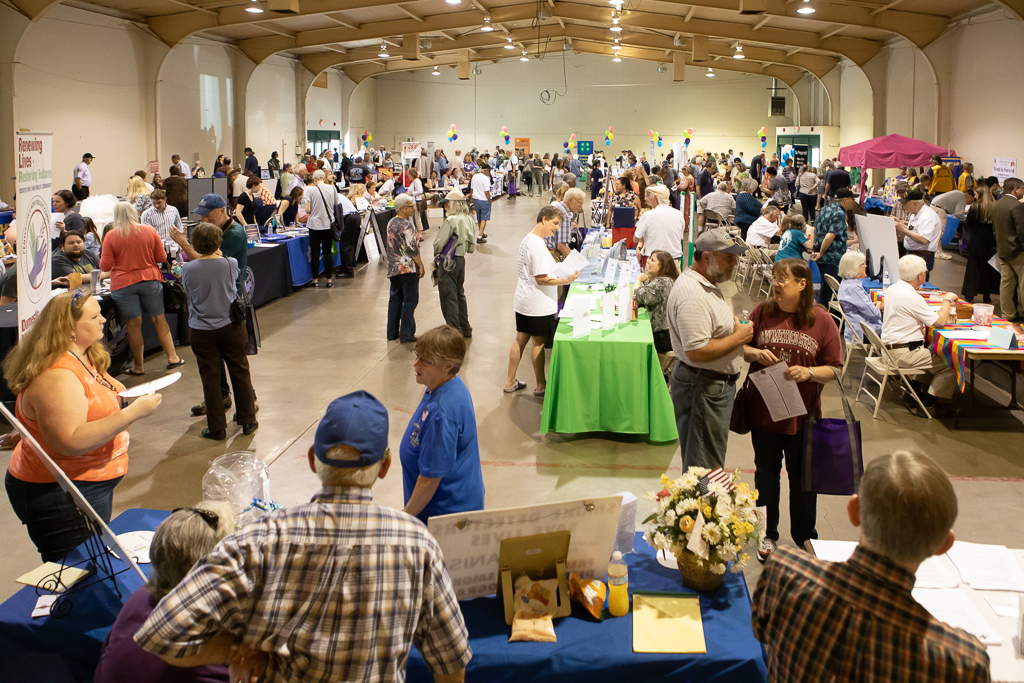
pixel 686 137
pixel 504 134
pixel 571 144
pixel 609 135
pixel 367 138
pixel 452 135
pixel 787 153
pixel 655 137
pixel 763 134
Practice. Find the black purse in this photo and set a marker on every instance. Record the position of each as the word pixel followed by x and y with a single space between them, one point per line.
pixel 335 230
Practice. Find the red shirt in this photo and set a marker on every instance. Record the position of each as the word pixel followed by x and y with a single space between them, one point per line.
pixel 133 259
pixel 809 347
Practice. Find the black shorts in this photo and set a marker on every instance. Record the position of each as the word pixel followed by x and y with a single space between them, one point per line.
pixel 537 325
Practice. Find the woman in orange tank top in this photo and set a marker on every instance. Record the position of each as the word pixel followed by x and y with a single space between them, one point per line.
pixel 68 402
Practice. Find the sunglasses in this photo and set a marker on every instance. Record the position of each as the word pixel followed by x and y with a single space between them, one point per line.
pixel 79 293
pixel 210 517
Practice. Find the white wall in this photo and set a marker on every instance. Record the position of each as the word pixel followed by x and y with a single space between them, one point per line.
pixel 911 94
pixel 324 104
pixel 856 118
pixel 362 115
pixel 88 79
pixel 271 110
pixel 725 112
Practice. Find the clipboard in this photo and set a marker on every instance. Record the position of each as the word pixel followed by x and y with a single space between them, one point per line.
pixel 667 623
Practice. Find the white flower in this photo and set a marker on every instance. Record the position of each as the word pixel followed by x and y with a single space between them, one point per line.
pixel 727 552
pixel 711 533
pixel 698 471
pixel 660 541
pixel 718 568
pixel 688 481
pixel 718 490
pixel 723 509
pixel 647 538
pixel 670 517
pixel 689 504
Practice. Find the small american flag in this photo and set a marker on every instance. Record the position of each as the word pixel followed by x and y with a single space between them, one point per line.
pixel 715 476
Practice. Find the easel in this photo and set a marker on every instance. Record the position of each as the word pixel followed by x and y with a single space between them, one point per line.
pixel 99 540
pixel 369 225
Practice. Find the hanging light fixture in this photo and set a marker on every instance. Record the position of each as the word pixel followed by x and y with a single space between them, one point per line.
pixel 524 58
pixel 435 72
pixel 710 73
pixel 254 8
pixel 383 51
pixel 739 53
pixel 616 58
pixel 508 45
pixel 806 8
pixel 454 2
pixel 616 47
pixel 616 3
pixel 487 28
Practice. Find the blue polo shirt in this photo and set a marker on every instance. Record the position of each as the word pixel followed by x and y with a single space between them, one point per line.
pixel 440 442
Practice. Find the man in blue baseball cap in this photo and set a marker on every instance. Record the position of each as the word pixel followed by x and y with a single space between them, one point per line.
pixel 213 209
pixel 302 593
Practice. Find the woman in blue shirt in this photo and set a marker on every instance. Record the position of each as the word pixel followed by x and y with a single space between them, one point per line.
pixel 854 299
pixel 439 452
pixel 748 209
pixel 794 241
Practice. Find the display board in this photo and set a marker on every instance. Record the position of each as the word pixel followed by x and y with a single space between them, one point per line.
pixel 34 189
pixel 410 150
pixel 522 147
pixel 585 148
pixel 471 541
pixel 1004 167
pixel 877 239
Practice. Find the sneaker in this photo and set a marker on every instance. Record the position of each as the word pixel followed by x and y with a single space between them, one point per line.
pixel 200 409
pixel 943 255
pixel 768 546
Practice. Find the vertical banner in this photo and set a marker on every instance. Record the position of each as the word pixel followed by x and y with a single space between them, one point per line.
pixel 34 188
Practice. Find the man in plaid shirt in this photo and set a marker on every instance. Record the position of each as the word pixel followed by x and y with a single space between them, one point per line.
pixel 857 620
pixel 335 590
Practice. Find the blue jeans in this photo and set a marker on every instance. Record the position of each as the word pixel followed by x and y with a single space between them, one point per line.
pixel 405 294
pixel 703 407
pixel 51 518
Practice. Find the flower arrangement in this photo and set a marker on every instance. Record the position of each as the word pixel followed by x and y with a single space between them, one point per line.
pixel 728 512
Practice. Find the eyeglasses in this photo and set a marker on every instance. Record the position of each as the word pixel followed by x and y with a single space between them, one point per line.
pixel 417 358
pixel 209 516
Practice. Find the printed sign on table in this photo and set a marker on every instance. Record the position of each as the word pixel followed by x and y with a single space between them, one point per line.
pixel 34 188
pixel 1003 168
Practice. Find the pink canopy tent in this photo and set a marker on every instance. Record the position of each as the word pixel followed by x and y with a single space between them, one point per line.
pixel 891 151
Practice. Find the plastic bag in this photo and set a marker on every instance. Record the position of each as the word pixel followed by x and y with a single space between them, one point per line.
pixel 241 479
pixel 534 604
pixel 590 594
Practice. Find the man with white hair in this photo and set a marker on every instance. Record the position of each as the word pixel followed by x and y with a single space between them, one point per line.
pixel 886 634
pixel 922 234
pixel 720 201
pixel 904 317
pixel 663 227
pixel 559 241
pixel 337 589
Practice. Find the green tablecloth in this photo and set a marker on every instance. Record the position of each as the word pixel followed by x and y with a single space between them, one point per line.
pixel 610 381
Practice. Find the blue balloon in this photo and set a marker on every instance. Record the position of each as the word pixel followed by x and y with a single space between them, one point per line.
pixel 607 142
pixel 659 143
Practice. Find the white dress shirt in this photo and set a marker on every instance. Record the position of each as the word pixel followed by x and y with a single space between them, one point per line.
pixel 761 232
pixel 925 223
pixel 661 228
pixel 185 170
pixel 905 314
pixel 82 171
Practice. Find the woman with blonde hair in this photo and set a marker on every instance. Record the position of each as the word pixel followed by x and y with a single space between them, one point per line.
pixel 980 277
pixel 138 194
pixel 67 400
pixel 132 254
pixel 357 195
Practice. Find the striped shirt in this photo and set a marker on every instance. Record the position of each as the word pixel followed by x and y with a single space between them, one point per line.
pixel 697 313
pixel 335 590
pixel 564 233
pixel 855 621
pixel 162 221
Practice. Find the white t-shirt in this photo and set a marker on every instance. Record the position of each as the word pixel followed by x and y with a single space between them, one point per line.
pixel 530 298
pixel 185 170
pixel 319 218
pixel 481 185
pixel 387 188
pixel 239 185
pixel 82 171
pixel 925 223
pixel 905 314
pixel 761 232
pixel 515 161
pixel 661 228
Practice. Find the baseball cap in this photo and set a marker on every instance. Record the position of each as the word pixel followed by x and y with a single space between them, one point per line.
pixel 87 155
pixel 660 191
pixel 208 203
pixel 913 195
pixel 719 240
pixel 844 193
pixel 357 420
pixel 455 195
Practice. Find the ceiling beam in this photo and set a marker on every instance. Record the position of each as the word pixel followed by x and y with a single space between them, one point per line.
pixel 917 27
pixel 762 22
pixel 834 31
pixel 408 12
pixel 1015 6
pixel 343 20
pixel 273 28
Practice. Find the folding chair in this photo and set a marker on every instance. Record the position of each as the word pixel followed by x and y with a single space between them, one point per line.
pixel 744 267
pixel 856 344
pixel 833 304
pixel 883 366
pixel 715 217
pixel 758 265
pixel 768 280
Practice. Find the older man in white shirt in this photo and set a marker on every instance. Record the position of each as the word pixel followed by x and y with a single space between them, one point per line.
pixel 905 316
pixel 767 227
pixel 663 227
pixel 922 234
pixel 720 201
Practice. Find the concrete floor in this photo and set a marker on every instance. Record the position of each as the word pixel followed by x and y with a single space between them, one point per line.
pixel 319 344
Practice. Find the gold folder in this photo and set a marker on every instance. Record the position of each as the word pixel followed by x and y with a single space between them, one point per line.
pixel 667 623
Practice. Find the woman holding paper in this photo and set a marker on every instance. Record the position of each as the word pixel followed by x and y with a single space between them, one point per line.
pixel 68 402
pixel 793 329
pixel 535 302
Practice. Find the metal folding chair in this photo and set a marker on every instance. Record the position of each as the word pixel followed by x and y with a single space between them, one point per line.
pixel 833 304
pixel 880 368
pixel 856 344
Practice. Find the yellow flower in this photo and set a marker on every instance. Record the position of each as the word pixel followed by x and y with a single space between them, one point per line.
pixel 707 511
pixel 754 495
pixel 686 524
pixel 664 480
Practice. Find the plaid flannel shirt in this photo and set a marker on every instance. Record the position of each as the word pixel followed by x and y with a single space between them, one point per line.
pixel 335 590
pixel 564 233
pixel 855 621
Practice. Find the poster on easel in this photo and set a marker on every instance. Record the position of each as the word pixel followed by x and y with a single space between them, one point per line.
pixel 1003 168
pixel 33 190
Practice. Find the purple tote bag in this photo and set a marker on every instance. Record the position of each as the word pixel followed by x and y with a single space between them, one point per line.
pixel 833 460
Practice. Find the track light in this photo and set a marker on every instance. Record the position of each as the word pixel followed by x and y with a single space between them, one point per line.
pixel 487 28
pixel 739 53
pixel 435 72
pixel 383 51
pixel 806 8
pixel 508 45
pixel 677 41
pixel 710 73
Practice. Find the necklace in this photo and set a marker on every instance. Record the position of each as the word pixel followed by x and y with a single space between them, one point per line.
pixel 99 379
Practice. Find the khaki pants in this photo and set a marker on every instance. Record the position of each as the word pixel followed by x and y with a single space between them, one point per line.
pixel 943 380
pixel 1011 282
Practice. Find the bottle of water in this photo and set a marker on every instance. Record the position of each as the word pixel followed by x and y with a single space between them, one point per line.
pixel 745 316
pixel 885 278
pixel 618 586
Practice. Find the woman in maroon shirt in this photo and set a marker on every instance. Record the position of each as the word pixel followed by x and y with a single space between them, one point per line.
pixel 132 254
pixel 792 329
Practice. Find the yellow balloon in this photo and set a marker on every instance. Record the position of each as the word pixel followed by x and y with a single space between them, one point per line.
pixel 611 136
pixel 369 138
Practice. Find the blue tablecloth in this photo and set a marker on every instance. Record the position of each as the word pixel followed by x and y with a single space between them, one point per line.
pixel 589 651
pixel 877 284
pixel 299 257
pixel 29 646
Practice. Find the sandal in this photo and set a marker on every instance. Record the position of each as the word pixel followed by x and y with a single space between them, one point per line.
pixel 518 385
pixel 135 374
pixel 329 284
pixel 538 392
pixel 171 366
